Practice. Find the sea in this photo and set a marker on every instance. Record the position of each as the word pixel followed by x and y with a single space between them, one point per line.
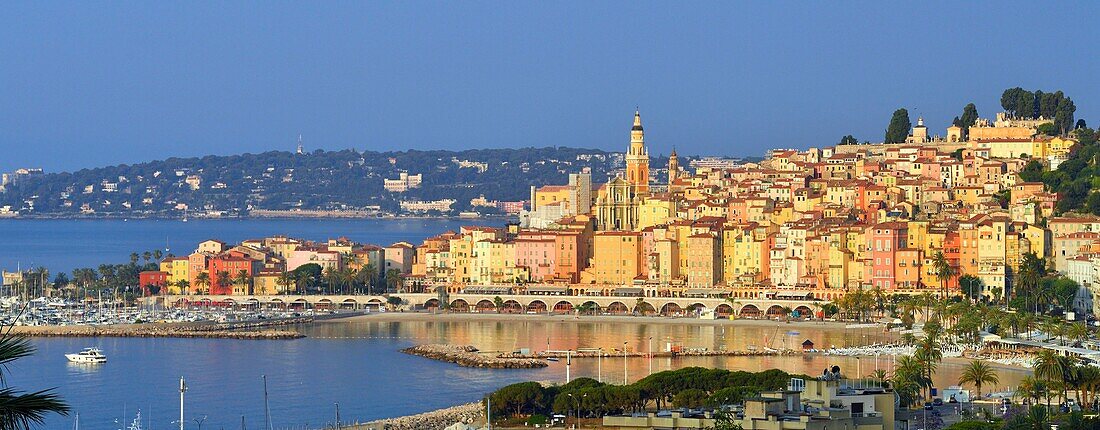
pixel 353 366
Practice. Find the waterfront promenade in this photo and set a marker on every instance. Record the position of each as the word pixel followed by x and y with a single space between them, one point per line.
pixel 516 303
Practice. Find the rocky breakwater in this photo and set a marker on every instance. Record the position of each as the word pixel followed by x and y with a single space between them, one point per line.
pixel 468 356
pixel 435 420
pixel 237 330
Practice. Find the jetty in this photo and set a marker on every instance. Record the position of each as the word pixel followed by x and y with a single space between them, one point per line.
pixel 584 353
pixel 435 420
pixel 468 356
pixel 258 330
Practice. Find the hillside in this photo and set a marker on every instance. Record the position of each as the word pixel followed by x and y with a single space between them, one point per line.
pixel 323 180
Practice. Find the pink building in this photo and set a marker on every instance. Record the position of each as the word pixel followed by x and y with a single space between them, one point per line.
pixel 883 242
pixel 538 253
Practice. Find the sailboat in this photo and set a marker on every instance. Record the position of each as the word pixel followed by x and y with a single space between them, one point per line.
pixel 136 424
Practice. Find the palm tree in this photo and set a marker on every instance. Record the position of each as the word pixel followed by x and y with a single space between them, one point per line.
pixel 20 410
pixel 944 271
pixel 368 274
pixel 158 255
pixel 184 285
pixel 285 279
pixel 908 380
pixel 1032 271
pixel 1088 380
pixel 928 355
pixel 203 281
pixel 1052 369
pixel 1031 388
pixel 242 279
pixel 979 373
pixel 221 278
pixel 393 279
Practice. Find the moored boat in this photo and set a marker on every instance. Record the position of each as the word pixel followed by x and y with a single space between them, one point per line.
pixel 88 355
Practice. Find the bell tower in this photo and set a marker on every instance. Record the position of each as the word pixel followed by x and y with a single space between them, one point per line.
pixel 637 158
pixel 673 167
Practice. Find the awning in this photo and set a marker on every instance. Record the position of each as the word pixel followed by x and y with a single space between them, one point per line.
pixel 485 289
pixel 704 292
pixel 554 290
pixel 627 291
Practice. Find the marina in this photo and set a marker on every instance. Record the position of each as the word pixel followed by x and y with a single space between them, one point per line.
pixel 357 362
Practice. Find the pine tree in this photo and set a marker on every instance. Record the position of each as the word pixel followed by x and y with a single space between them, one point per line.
pixel 899 127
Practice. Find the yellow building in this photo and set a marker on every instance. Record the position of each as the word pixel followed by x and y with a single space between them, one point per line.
pixel 616 257
pixel 743 255
pixel 178 269
pixel 655 211
pixel 494 261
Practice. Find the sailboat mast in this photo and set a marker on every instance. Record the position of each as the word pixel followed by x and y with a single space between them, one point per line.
pixel 183 388
pixel 267 409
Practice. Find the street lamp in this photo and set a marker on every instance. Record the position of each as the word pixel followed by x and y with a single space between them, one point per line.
pixel 626 377
pixel 599 365
pixel 649 354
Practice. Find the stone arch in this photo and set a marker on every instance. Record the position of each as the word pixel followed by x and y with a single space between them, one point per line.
pixel 460 305
pixel 512 307
pixel 671 309
pixel 300 302
pixel 593 306
pixel 804 311
pixel 617 308
pixel 536 306
pixel 349 303
pixel 563 307
pixel 775 311
pixel 696 307
pixel 485 306
pixel 749 311
pixel 724 310
pixel 276 303
pixel 431 304
pixel 644 308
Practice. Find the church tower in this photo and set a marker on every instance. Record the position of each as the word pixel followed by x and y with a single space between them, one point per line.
pixel 637 158
pixel 673 167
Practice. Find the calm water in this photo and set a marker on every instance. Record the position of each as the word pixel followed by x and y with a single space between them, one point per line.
pixel 67 244
pixel 357 364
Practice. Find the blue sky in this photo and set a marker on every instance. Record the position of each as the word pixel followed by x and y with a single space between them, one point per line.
pixel 86 84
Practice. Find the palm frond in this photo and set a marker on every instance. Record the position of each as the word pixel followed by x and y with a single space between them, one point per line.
pixel 22 411
pixel 12 348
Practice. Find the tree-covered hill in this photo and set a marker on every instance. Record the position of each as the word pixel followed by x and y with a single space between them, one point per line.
pixel 346 179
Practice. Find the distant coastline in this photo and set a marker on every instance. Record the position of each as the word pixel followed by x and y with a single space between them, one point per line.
pixel 273 214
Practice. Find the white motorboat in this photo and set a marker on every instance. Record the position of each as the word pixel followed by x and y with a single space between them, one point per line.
pixel 88 355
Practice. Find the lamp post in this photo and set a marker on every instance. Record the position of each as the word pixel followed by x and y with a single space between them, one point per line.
pixel 649 354
pixel 626 377
pixel 599 366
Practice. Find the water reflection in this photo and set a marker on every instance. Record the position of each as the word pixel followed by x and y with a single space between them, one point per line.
pixel 357 364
